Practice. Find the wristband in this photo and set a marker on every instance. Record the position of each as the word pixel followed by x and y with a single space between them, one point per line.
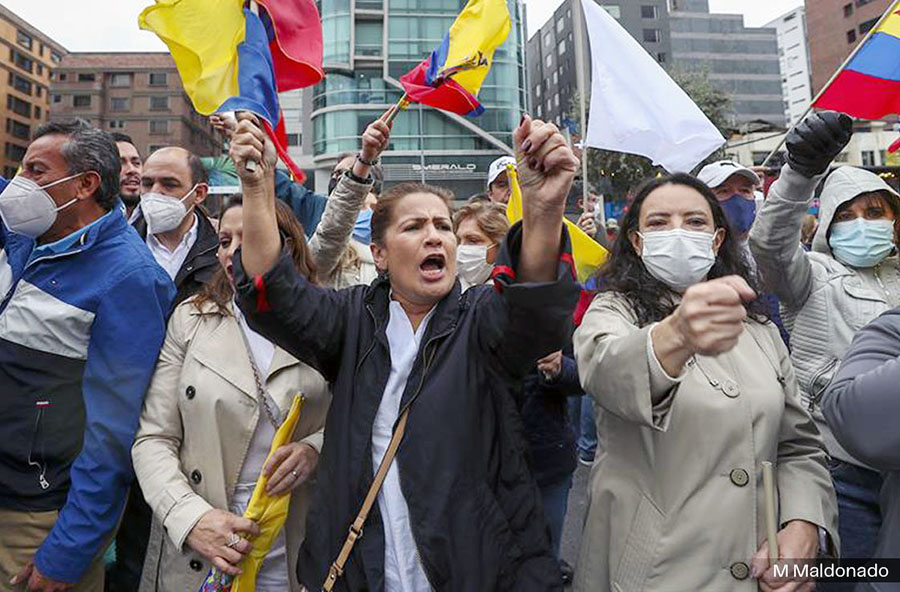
pixel 361 181
pixel 366 162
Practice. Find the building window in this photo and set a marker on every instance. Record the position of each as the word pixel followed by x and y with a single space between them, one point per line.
pixel 649 12
pixel 14 151
pixel 39 90
pixel 848 10
pixel 548 39
pixel 560 25
pixel 159 103
pixel 55 57
pixel 154 147
pixel 87 77
pixel 120 80
pixel 18 129
pixel 867 26
pixel 293 139
pixel 158 79
pixel 18 106
pixel 863 2
pixel 23 39
pixel 556 100
pixel 159 127
pixel 118 104
pixel 851 36
pixel 548 60
pixel 561 47
pixel 555 78
pixel 21 60
pixel 651 35
pixel 57 98
pixel 81 101
pixel 537 91
pixel 37 112
pixel 116 124
pixel 540 111
pixel 661 57
pixel 613 9
pixel 43 47
pixel 19 83
pixel 62 76
pixel 40 70
pixel 868 158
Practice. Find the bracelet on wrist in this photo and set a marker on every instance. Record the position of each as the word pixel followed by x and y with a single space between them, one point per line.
pixel 357 179
pixel 370 163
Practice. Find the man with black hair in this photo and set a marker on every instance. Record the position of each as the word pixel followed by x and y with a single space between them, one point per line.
pixel 174 184
pixel 130 174
pixel 83 310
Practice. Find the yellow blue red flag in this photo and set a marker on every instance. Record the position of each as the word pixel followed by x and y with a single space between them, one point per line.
pixel 452 75
pixel 233 58
pixel 869 85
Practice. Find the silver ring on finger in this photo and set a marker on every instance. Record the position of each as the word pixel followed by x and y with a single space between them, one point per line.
pixel 295 474
pixel 233 540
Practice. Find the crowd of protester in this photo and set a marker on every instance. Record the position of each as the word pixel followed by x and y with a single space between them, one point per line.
pixel 451 369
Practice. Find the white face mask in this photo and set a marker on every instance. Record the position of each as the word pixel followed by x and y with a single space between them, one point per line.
pixel 472 265
pixel 27 208
pixel 162 212
pixel 679 258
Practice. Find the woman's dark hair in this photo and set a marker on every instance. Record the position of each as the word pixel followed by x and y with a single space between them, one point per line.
pixel 652 299
pixel 383 213
pixel 219 290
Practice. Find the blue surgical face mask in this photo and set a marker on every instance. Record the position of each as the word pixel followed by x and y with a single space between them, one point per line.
pixel 862 243
pixel 740 213
pixel 362 230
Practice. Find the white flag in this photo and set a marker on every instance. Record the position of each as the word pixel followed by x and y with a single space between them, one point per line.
pixel 635 106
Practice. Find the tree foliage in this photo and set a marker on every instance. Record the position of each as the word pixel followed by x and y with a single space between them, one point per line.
pixel 615 173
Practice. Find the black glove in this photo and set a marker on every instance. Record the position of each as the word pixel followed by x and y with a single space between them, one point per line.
pixel 816 140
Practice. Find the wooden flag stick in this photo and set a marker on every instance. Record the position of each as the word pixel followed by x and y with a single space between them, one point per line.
pixel 768 475
pixel 891 9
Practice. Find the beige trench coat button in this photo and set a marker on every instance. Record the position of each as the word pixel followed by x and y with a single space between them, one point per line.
pixel 739 477
pixel 731 389
pixel 740 570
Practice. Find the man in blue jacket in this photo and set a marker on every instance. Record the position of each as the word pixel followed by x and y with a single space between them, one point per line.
pixel 82 319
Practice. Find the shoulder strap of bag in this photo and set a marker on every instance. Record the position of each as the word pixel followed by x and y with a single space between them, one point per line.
pixel 356 529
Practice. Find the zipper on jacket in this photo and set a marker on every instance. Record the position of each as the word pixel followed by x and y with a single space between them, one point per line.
pixel 39 464
pixel 365 355
pixel 814 396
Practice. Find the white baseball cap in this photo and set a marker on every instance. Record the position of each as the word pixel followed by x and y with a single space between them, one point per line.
pixel 718 172
pixel 497 167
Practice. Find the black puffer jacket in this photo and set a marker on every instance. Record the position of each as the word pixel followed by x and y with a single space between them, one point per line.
pixel 475 511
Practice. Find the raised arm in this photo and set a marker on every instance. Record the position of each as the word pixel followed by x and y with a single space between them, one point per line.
pixel 775 235
pixel 304 319
pixel 333 234
pixel 547 167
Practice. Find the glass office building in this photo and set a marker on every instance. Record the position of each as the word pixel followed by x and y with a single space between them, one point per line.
pixel 368 46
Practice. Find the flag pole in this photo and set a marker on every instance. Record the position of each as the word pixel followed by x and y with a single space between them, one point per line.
pixel 834 76
pixel 578 24
pixel 251 165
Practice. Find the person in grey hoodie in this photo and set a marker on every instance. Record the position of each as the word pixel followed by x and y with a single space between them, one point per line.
pixel 862 408
pixel 849 277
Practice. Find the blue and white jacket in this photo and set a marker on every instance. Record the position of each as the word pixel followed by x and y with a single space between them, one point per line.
pixel 81 324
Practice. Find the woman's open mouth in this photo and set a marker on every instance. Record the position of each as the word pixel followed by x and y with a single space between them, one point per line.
pixel 433 267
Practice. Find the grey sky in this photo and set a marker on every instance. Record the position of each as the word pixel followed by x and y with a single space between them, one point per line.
pixel 111 25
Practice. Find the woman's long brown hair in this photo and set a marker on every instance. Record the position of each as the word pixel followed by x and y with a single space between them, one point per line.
pixel 219 290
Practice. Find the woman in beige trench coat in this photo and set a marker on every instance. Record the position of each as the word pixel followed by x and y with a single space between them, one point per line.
pixel 205 431
pixel 694 389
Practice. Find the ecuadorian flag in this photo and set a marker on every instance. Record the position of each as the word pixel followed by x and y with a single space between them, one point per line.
pixel 452 75
pixel 869 86
pixel 233 58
